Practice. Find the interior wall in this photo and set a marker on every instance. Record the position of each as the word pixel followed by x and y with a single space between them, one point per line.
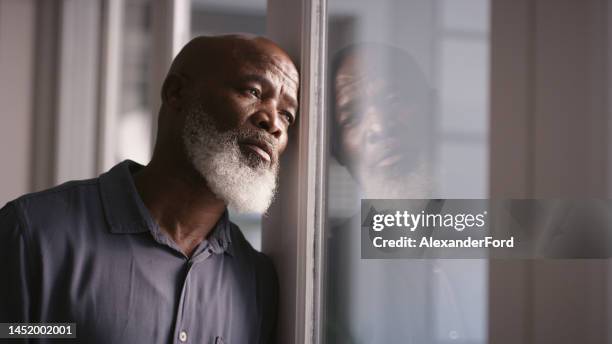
pixel 16 62
pixel 550 139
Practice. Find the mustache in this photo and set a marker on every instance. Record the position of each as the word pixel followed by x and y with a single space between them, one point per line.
pixel 257 135
pixel 260 136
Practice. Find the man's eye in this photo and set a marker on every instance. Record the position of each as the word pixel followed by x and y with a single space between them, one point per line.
pixel 288 116
pixel 254 92
pixel 350 120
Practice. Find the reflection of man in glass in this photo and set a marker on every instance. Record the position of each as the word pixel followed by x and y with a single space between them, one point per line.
pixel 382 135
pixel 381 116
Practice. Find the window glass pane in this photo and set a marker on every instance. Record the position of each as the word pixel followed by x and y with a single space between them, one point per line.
pixel 214 17
pixel 408 111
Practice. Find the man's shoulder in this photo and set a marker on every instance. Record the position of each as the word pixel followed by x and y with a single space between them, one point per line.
pixel 60 192
pixel 55 202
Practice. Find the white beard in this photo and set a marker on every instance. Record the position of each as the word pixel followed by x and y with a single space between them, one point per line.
pixel 219 160
pixel 414 185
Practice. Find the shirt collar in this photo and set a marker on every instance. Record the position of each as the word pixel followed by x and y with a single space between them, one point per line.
pixel 126 213
pixel 124 210
pixel 220 238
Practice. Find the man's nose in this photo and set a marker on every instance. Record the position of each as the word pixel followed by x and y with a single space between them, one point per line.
pixel 268 119
pixel 375 128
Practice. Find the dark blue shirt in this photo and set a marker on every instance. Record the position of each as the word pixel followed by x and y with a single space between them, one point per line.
pixel 89 252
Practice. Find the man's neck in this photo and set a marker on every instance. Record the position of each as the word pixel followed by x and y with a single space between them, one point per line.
pixel 180 202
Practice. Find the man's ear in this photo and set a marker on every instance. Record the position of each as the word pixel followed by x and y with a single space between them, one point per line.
pixel 174 90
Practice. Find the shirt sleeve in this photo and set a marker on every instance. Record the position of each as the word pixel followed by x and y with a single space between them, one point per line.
pixel 14 289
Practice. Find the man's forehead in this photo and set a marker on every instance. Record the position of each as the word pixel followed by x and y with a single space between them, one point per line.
pixel 209 55
pixel 274 65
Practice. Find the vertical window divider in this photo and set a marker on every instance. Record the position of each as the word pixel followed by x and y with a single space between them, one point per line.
pixel 313 98
pixel 292 229
pixel 110 84
pixel 171 27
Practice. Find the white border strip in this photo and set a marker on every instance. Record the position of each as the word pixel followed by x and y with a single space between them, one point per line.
pixel 313 149
pixel 110 86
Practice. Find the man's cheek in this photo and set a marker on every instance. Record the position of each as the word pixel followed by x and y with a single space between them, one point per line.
pixel 353 142
pixel 282 146
pixel 226 109
pixel 241 111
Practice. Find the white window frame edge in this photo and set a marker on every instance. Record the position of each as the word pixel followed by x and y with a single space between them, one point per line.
pixel 171 25
pixel 312 217
pixel 608 11
pixel 77 98
pixel 292 233
pixel 608 16
pixel 110 85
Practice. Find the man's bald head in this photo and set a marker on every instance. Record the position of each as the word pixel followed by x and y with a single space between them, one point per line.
pixel 208 56
pixel 206 62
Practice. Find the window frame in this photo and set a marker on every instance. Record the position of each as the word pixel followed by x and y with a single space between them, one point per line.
pixel 292 233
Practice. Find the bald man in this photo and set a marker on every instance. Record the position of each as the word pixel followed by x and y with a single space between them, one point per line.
pixel 148 254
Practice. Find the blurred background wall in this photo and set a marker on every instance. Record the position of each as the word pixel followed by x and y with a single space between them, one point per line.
pixel 16 61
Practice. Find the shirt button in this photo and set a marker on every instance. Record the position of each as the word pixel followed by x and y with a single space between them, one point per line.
pixel 183 336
